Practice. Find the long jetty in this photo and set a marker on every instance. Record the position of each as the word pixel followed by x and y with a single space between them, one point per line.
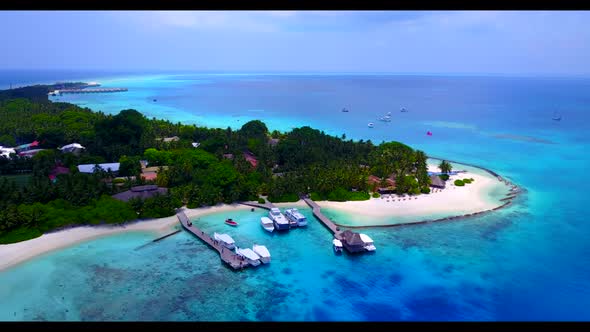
pixel 101 90
pixel 227 256
pixel 317 212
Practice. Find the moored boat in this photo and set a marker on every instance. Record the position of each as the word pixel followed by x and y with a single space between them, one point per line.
pixel 267 224
pixel 249 255
pixel 263 252
pixel 371 125
pixel 225 240
pixel 295 217
pixel 280 222
pixel 231 222
pixel 337 245
pixel 368 242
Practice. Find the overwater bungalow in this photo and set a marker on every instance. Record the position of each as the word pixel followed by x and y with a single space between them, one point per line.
pixel 352 241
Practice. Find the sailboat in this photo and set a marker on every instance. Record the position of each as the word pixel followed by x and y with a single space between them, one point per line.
pixel 556 117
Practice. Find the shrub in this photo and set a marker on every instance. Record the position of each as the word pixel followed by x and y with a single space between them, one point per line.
pixel 261 200
pixel 467 181
pixel 316 197
pixel 425 190
pixel 376 195
pixel 118 181
pixel 444 177
pixel 459 183
pixel 287 198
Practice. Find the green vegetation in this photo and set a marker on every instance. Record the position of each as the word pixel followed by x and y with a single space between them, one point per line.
pixel 459 183
pixel 261 201
pixel 304 160
pixel 467 181
pixel 445 166
pixel 376 195
pixel 21 180
pixel 444 177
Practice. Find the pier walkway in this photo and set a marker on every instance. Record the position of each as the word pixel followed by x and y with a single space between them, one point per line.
pixel 227 256
pixel 317 212
pixel 102 90
pixel 267 205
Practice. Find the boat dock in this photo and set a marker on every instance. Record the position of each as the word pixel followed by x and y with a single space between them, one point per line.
pixel 317 212
pixel 227 256
pixel 101 90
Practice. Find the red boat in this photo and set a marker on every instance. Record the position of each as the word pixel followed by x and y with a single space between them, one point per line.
pixel 231 222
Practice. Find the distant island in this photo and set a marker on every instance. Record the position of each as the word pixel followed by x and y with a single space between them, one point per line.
pixel 63 165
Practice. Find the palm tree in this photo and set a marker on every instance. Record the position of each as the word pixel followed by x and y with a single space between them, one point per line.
pixel 445 166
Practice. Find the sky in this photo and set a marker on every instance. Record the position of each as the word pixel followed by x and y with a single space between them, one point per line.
pixel 410 42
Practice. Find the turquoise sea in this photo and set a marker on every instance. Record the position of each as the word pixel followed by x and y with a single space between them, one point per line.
pixel 530 261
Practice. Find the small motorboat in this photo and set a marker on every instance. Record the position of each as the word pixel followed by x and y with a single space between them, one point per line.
pixel 556 117
pixel 345 110
pixel 403 110
pixel 267 224
pixel 231 222
pixel 371 124
pixel 337 245
pixel 263 252
pixel 155 100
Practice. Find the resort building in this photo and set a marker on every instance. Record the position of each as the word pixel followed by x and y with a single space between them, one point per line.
pixel 437 182
pixel 251 159
pixel 375 183
pixel 90 168
pixel 6 152
pixel 352 241
pixel 57 170
pixel 142 192
pixel 169 139
pixel 30 153
pixel 74 148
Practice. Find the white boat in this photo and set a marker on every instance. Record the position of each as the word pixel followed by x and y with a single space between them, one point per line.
pixel 337 244
pixel 249 255
pixel 263 252
pixel 225 240
pixel 371 124
pixel 278 219
pixel 369 246
pixel 267 224
pixel 295 217
pixel 386 118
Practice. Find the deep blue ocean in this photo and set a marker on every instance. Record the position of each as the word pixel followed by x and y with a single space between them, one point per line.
pixel 530 261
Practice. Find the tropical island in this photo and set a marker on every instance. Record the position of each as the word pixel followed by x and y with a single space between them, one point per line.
pixel 64 166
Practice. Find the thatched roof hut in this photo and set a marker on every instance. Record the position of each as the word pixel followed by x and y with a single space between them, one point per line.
pixel 437 182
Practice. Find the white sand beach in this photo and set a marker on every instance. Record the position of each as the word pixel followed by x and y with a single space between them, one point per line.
pixel 450 201
pixel 12 254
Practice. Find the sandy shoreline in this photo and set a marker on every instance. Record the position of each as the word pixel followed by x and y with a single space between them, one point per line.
pixel 15 253
pixel 451 201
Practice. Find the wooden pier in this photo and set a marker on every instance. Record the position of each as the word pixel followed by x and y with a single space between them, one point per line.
pixel 317 212
pixel 266 206
pixel 101 90
pixel 227 256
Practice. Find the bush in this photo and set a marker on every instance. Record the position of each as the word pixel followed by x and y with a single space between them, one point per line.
pixel 444 177
pixel 287 198
pixel 342 195
pixel 316 197
pixel 376 195
pixel 115 181
pixel 459 183
pixel 467 181
pixel 425 190
pixel 261 200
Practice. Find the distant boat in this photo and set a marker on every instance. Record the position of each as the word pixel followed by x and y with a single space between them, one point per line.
pixel 249 255
pixel 429 133
pixel 403 110
pixel 386 118
pixel 230 222
pixel 155 100
pixel 371 124
pixel 345 110
pixel 556 117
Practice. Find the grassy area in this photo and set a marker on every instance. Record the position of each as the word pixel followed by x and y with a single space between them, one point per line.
pixel 21 180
